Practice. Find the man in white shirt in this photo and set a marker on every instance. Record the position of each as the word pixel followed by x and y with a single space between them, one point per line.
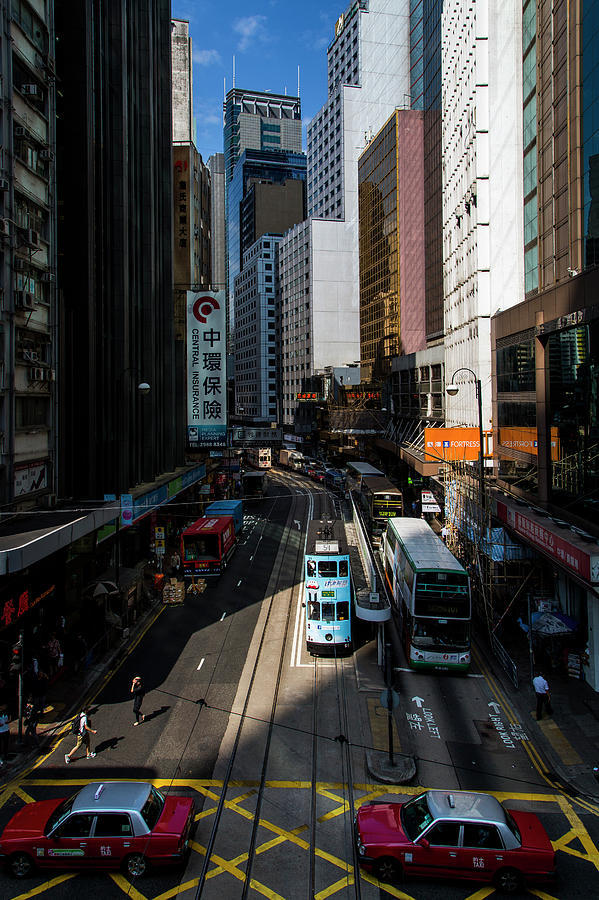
pixel 542 694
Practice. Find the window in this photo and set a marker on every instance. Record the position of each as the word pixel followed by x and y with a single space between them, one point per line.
pixel 76 826
pixel 343 611
pixel 314 610
pixel 444 834
pixel 484 837
pixel 113 825
pixel 343 568
pixel 327 568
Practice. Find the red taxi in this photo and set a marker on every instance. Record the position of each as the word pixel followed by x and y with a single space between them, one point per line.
pixel 461 835
pixel 103 826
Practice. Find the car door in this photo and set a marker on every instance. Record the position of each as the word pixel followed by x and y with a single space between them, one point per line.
pixel 438 857
pixel 69 845
pixel 482 852
pixel 112 839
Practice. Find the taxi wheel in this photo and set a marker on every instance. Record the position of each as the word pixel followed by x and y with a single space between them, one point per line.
pixel 136 865
pixel 509 881
pixel 20 865
pixel 388 869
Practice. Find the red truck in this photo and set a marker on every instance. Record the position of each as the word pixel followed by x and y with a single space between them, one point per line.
pixel 207 546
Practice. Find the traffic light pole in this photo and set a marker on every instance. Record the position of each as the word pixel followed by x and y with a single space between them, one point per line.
pixel 22 655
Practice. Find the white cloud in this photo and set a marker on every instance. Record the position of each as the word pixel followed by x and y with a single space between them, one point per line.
pixel 250 29
pixel 206 57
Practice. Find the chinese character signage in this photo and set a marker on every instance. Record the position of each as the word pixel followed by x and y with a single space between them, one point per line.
pixel 206 370
pixel 309 395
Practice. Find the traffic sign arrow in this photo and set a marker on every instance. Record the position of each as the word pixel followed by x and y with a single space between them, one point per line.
pixel 418 701
pixel 495 707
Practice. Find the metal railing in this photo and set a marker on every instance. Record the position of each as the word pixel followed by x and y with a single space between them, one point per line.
pixel 508 664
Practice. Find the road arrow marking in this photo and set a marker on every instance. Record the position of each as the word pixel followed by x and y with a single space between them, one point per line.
pixel 298 523
pixel 418 701
pixel 495 707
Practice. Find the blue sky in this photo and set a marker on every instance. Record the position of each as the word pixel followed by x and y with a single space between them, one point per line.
pixel 269 40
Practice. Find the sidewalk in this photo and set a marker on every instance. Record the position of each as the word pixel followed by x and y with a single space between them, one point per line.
pixel 64 699
pixel 569 738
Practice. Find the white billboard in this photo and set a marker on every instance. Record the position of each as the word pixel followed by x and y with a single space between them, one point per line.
pixel 206 369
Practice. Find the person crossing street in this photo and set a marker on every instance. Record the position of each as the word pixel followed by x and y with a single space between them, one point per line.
pixel 83 737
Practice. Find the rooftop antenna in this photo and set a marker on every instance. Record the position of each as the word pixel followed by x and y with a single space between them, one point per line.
pixel 233 73
pixel 298 81
pixel 225 89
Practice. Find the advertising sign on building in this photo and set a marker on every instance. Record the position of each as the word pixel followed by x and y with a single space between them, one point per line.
pixel 452 444
pixel 429 503
pixel 206 370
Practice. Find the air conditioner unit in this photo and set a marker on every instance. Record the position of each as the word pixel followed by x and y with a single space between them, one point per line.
pixel 30 355
pixel 31 89
pixel 24 300
pixel 47 276
pixel 36 373
pixel 47 154
pixel 4 184
pixel 20 131
pixel 32 237
pixel 19 263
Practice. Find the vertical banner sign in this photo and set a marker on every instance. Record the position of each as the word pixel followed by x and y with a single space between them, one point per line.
pixel 126 510
pixel 206 370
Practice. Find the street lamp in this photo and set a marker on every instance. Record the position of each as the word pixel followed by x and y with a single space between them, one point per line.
pixel 452 389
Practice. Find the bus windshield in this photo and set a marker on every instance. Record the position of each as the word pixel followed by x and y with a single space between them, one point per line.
pixel 448 633
pixel 442 595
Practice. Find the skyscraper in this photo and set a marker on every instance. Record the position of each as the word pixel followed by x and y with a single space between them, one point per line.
pixel 368 77
pixel 263 123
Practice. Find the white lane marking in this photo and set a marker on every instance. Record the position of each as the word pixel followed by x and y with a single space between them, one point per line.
pixel 413 672
pixel 241 579
pixel 224 614
pixel 201 664
pixel 418 700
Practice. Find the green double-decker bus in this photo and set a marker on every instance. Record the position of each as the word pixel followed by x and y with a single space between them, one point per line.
pixel 431 596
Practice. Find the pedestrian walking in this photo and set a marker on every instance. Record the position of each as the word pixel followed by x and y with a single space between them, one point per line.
pixel 54 651
pixel 175 562
pixel 83 737
pixel 542 693
pixel 4 733
pixel 138 691
pixel 31 720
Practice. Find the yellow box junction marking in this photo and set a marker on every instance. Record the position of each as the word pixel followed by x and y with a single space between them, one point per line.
pixel 334 791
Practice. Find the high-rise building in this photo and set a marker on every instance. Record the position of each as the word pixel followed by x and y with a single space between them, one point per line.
pixel 368 77
pixel 216 165
pixel 482 189
pixel 391 211
pixel 255 333
pixel 28 312
pixel 115 248
pixel 259 122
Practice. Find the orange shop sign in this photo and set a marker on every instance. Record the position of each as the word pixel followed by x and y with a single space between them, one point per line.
pixel 524 438
pixel 453 444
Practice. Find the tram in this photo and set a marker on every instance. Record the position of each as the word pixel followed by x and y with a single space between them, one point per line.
pixel 356 471
pixel 380 501
pixel 328 589
pixel 259 457
pixel 430 593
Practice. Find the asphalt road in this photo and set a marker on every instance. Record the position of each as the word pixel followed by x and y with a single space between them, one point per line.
pixel 198 652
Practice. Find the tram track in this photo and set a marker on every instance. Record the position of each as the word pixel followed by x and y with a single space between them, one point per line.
pixel 265 691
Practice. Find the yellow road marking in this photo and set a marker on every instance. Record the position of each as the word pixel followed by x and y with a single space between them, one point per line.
pixel 36 891
pixel 179 889
pixel 23 795
pixel 541 894
pixel 560 743
pixel 481 894
pixel 334 888
pixel 579 831
pixel 126 886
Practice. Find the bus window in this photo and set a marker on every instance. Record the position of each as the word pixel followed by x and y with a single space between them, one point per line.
pixel 327 568
pixel 328 612
pixel 314 610
pixel 343 568
pixel 343 611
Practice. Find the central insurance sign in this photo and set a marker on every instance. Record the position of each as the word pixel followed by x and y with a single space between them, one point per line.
pixel 206 370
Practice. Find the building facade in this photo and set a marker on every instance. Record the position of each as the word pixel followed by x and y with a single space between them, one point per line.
pixel 368 76
pixel 391 230
pixel 216 166
pixel 255 333
pixel 115 240
pixel 28 316
pixel 482 220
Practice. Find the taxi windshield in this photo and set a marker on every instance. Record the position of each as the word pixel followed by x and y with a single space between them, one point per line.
pixel 59 813
pixel 152 808
pixel 415 817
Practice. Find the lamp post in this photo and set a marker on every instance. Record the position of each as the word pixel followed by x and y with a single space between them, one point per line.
pixel 452 389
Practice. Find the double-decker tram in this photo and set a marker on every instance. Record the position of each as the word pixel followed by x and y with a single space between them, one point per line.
pixel 259 457
pixel 328 589
pixel 380 500
pixel 430 592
